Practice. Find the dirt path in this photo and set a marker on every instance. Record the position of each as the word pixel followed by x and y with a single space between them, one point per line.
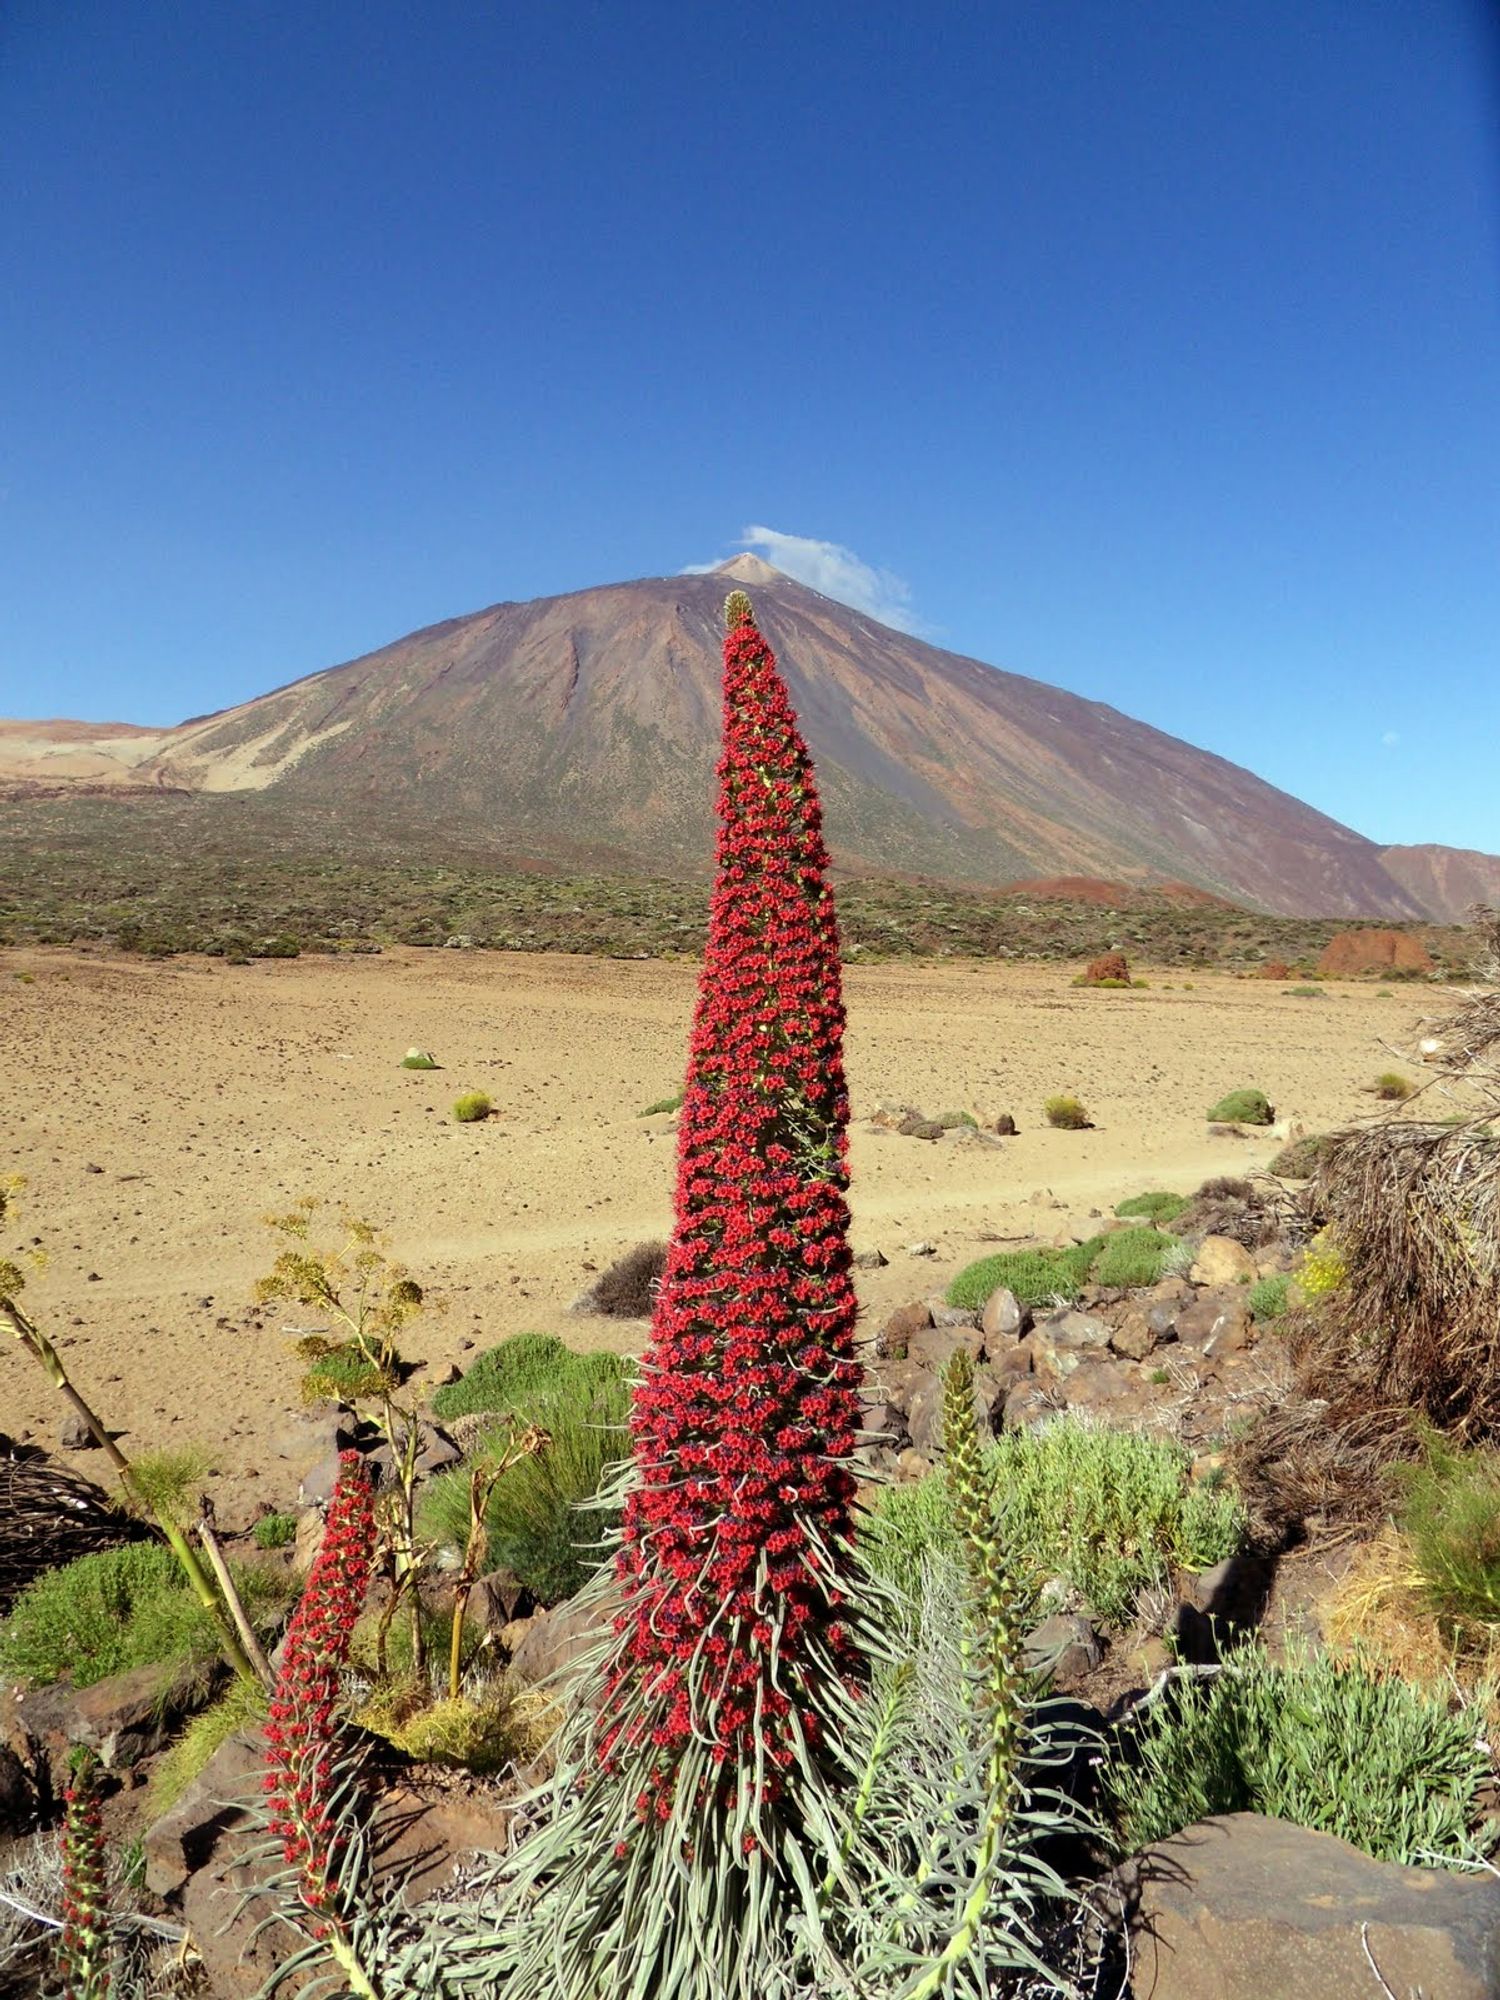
pixel 159 1110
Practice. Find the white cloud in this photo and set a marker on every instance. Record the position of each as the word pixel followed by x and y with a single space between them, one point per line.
pixel 836 571
pixel 1391 738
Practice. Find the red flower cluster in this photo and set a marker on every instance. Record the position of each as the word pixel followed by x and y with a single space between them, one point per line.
pixel 85 1909
pixel 749 1409
pixel 300 1730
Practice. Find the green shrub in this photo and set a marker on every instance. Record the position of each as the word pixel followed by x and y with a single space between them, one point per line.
pixel 537 1527
pixel 340 1371
pixel 241 1706
pixel 275 1531
pixel 471 1107
pixel 1035 1276
pixel 1379 1763
pixel 950 1121
pixel 1138 1257
pixel 1299 1160
pixel 168 1483
pixel 1242 1107
pixel 1305 993
pixel 672 1103
pixel 514 1375
pixel 1393 1088
pixel 1067 1114
pixel 1450 1510
pixel 125 1607
pixel 1267 1297
pixel 1111 1512
pixel 418 1059
pixel 1158 1206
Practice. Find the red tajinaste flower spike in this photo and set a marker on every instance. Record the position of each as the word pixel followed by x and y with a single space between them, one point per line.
pixel 749 1409
pixel 301 1725
pixel 85 1905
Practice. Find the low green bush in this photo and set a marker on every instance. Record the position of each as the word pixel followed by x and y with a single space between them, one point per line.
pixel 122 1608
pixel 1450 1511
pixel 471 1107
pixel 1305 993
pixel 672 1103
pixel 1242 1107
pixel 1131 1257
pixel 1035 1276
pixel 1393 1088
pixel 1110 1512
pixel 275 1531
pixel 1267 1297
pixel 950 1121
pixel 512 1376
pixel 1066 1113
pixel 538 1527
pixel 1379 1763
pixel 418 1059
pixel 1158 1206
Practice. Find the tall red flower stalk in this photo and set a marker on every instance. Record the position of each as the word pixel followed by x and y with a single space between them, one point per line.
pixel 85 1906
pixel 301 1728
pixel 749 1408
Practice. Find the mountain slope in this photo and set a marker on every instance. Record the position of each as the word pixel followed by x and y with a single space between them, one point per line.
pixel 585 727
pixel 1446 881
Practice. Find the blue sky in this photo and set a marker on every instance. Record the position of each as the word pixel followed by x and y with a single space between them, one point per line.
pixel 1152 349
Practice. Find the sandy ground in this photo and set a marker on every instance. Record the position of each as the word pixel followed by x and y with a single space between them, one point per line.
pixel 160 1110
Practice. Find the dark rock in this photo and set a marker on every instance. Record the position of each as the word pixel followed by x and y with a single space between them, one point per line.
pixel 556 1642
pixel 20 1804
pixel 899 1328
pixel 1003 1318
pixel 1027 1405
pixel 1245 1908
pixel 217 1800
pixel 73 1434
pixel 1216 1322
pixel 1064 1648
pixel 945 1315
pixel 1134 1337
pixel 498 1599
pixel 1105 1387
pixel 1006 1126
pixel 933 1347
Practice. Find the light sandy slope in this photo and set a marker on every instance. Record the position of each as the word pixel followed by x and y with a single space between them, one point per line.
pixel 160 1110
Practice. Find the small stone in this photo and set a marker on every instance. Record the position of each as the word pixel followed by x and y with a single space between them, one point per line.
pixel 1003 1318
pixel 1222 1261
pixel 73 1434
pixel 870 1260
pixel 922 1249
pixel 1006 1126
pixel 1133 1337
pixel 898 1329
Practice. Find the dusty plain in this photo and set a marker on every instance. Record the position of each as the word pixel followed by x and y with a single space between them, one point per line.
pixel 160 1110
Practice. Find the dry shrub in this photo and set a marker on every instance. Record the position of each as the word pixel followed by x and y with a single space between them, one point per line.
pixel 1252 1213
pixel 1112 968
pixel 627 1290
pixel 1415 1212
pixel 1306 1462
pixel 1378 1615
pixel 49 1516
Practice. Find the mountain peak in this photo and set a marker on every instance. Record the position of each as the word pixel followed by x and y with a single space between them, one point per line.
pixel 749 569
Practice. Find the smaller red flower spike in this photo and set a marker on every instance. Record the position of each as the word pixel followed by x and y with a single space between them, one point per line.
pixel 85 1901
pixel 749 1410
pixel 301 1725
